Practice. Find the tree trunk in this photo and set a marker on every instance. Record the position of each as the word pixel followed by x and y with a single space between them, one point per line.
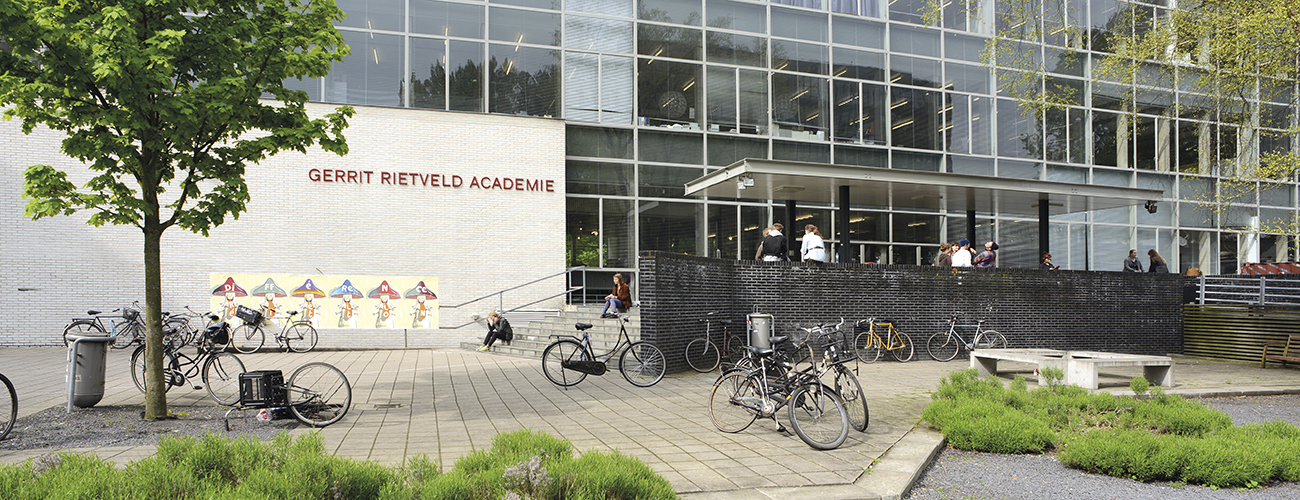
pixel 155 394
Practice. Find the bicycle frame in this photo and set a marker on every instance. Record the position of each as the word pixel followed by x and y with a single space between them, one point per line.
pixel 624 340
pixel 952 332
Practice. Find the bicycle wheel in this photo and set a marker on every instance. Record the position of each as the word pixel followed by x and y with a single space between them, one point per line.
pixel 10 407
pixel 818 417
pixel 904 352
pixel 735 351
pixel 702 355
pixel 177 332
pixel 247 339
pixel 319 394
pixel 734 403
pixel 554 357
pixel 82 328
pixel 221 377
pixel 943 346
pixel 642 364
pixel 990 339
pixel 137 369
pixel 127 335
pixel 867 347
pixel 300 337
pixel 855 401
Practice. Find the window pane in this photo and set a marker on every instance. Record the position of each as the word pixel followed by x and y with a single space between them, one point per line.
pixel 428 89
pixel 657 181
pixel 618 223
pixel 670 11
pixel 581 87
pixel 848 111
pixel 799 56
pixel 582 232
pixel 858 64
pixel 967 78
pixel 371 75
pixel 958 136
pixel 913 71
pixel 753 102
pixel 1018 134
pixel 867 157
pixel 981 125
pixel 801 151
pixel 799 106
pixel 465 84
pixel 524 26
pixel 723 236
pixel 671 227
pixel 915 118
pixel 589 177
pixel 725 150
pixel 669 93
pixel 620 8
pixel 1105 133
pixel 721 99
pixel 1111 245
pixel 524 81
pixel 616 83
pixel 966 48
pixel 919 41
pixel 672 147
pixel 799 24
pixel 731 48
pixel 859 32
pixel 669 41
pixel 536 4
pixel 917 161
pixel 909 11
pixel 590 33
pixel 598 142
pixel 737 16
pixel 972 166
pixel 752 222
pixel 373 14
pixel 874 119
pixel 311 86
pixel 446 18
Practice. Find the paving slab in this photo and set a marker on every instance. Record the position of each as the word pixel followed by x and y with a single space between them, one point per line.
pixel 447 403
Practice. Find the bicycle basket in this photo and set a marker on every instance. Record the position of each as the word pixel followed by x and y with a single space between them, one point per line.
pixel 262 389
pixel 217 333
pixel 130 314
pixel 249 315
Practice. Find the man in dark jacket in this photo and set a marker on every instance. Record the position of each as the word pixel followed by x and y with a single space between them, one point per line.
pixel 774 245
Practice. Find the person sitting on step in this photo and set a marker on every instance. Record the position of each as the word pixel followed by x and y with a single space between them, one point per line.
pixel 617 299
pixel 498 328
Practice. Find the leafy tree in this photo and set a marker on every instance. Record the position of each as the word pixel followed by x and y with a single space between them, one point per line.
pixel 1237 58
pixel 167 102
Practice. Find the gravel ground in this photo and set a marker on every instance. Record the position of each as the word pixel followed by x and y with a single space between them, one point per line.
pixel 958 474
pixel 54 428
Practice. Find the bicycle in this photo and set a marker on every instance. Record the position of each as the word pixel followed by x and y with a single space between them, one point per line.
pixel 568 360
pixel 836 353
pixel 130 331
pixel 317 394
pixel 295 335
pixel 177 329
pixel 10 407
pixel 868 344
pixel 816 411
pixel 943 346
pixel 220 370
pixel 703 354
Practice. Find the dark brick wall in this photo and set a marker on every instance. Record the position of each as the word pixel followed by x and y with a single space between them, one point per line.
pixel 1073 310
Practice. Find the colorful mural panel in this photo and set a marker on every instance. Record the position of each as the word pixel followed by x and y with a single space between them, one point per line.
pixel 330 301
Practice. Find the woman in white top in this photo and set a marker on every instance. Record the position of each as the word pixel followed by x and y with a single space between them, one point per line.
pixel 813 246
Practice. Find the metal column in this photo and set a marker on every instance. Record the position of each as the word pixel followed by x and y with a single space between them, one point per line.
pixel 843 224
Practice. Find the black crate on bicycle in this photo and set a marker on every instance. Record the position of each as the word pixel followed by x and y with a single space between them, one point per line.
pixel 249 315
pixel 262 389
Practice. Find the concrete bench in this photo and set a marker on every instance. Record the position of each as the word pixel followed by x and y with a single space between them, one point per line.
pixel 1080 367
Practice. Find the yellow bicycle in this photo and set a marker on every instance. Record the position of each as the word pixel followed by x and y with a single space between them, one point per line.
pixel 868 344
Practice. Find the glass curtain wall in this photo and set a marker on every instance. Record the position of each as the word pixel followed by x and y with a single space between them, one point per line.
pixel 658 92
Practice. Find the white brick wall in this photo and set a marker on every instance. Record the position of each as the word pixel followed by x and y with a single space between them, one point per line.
pixel 474 241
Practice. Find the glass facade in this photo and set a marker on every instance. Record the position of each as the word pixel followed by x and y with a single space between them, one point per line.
pixel 659 92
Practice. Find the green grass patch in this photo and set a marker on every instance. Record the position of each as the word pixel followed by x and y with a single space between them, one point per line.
pixel 1157 438
pixel 519 465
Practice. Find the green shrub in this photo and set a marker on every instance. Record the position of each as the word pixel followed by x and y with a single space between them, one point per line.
pixel 995 428
pixel 596 475
pixel 1139 385
pixel 1175 415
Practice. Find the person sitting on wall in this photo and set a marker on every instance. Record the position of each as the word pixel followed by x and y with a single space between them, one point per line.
pixel 498 328
pixel 1047 263
pixel 1132 264
pixel 814 248
pixel 962 256
pixel 774 244
pixel 944 259
pixel 759 254
pixel 617 299
pixel 1158 264
pixel 988 257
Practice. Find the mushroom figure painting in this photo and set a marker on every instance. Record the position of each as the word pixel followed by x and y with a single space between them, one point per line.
pixel 330 301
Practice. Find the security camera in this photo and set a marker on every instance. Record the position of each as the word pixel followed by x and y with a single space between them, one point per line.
pixel 1151 207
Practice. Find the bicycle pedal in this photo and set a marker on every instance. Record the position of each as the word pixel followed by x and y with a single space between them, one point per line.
pixel 198 387
pixel 781 428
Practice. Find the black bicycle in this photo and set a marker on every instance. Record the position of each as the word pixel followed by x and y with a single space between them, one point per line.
pixel 816 411
pixel 569 360
pixel 703 354
pixel 10 407
pixel 130 331
pixel 220 370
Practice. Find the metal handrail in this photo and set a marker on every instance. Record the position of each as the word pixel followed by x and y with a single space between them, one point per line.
pixel 1248 290
pixel 501 294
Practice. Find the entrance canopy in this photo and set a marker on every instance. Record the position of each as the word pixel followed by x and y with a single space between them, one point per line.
pixel 821 183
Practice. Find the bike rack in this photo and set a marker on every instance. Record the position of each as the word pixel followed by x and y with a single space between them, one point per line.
pixel 72 364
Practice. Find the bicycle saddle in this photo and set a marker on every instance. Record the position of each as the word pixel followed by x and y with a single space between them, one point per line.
pixel 761 352
pixel 724 322
pixel 92 313
pixel 582 326
pixel 778 340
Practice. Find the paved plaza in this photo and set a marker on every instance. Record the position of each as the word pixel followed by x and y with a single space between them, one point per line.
pixel 446 403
